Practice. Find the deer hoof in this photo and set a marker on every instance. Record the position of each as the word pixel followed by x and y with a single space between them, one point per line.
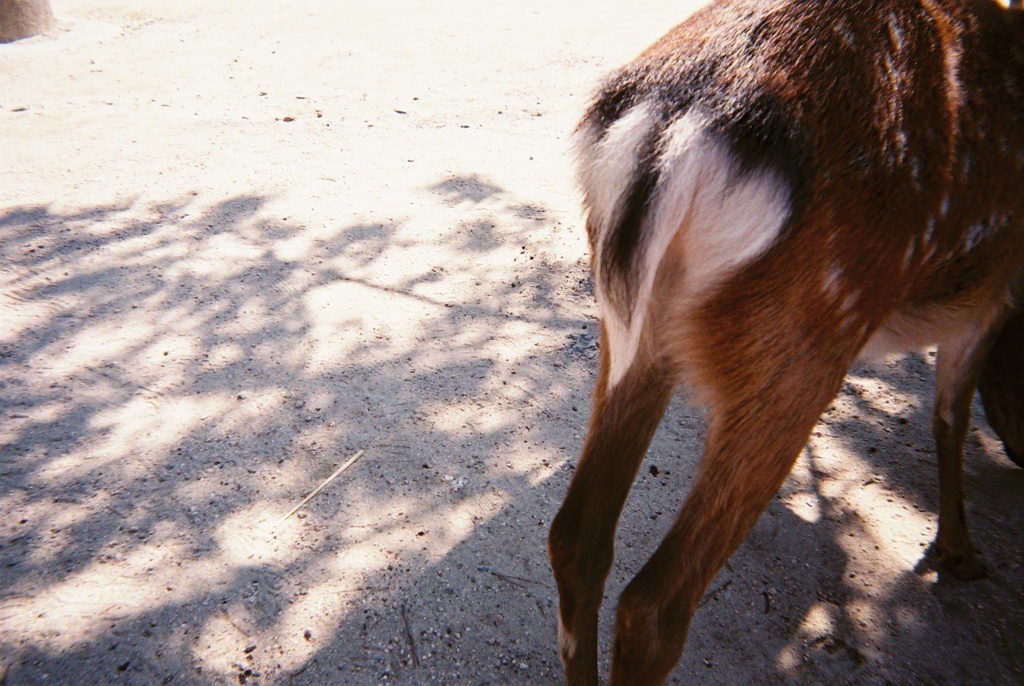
pixel 967 567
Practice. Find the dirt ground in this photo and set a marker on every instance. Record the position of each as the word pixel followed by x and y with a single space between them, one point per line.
pixel 242 241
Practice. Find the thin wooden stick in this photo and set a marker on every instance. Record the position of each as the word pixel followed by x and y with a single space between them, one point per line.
pixel 323 485
pixel 409 638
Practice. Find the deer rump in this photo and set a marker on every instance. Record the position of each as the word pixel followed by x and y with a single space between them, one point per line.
pixel 725 144
pixel 773 190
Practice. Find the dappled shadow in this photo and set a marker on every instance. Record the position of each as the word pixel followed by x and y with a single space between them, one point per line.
pixel 825 589
pixel 175 375
pixel 469 188
pixel 818 583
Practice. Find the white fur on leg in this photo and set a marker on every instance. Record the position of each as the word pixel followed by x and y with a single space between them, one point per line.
pixel 566 641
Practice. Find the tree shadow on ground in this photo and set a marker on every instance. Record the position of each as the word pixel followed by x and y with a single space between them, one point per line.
pixel 818 581
pixel 175 375
pixel 170 376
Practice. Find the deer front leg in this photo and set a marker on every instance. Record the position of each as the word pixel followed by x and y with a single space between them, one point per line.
pixel 958 367
pixel 1001 386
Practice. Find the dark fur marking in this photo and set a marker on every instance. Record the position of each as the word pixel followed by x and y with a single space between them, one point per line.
pixel 752 122
pixel 624 240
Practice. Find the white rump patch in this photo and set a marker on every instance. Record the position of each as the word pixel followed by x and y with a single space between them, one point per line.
pixel 608 166
pixel 727 221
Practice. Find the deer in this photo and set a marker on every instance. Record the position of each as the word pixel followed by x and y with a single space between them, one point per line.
pixel 772 191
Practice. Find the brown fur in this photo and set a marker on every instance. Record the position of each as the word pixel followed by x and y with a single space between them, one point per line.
pixel 906 226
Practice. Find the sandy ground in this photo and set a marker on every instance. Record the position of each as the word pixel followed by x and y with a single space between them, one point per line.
pixel 241 242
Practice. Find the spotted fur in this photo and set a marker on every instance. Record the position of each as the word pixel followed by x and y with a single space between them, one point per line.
pixel 773 189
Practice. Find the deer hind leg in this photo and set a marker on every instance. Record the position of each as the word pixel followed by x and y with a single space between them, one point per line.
pixel 580 545
pixel 959 365
pixel 772 384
